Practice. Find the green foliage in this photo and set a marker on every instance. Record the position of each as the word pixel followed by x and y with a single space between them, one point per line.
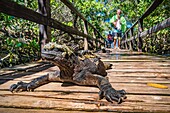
pixel 18 51
pixel 68 24
pixel 33 4
pixel 91 11
pixel 160 43
pixel 18 38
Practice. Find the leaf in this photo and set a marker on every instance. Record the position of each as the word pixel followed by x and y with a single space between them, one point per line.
pixel 157 85
pixel 19 44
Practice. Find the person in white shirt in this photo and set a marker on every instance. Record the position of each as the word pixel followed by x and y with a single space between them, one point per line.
pixel 119 23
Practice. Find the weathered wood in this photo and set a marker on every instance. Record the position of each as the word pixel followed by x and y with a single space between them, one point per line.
pixel 89 103
pixel 48 29
pixel 20 110
pixel 14 9
pixel 164 24
pixel 131 43
pixel 94 41
pixel 85 32
pixel 131 76
pixel 151 8
pixel 17 10
pixel 110 60
pixel 75 21
pixel 140 29
pixel 126 47
pixel 42 9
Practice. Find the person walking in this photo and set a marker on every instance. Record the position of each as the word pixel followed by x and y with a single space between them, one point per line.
pixel 119 23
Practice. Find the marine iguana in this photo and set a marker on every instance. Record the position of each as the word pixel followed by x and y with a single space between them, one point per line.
pixel 81 69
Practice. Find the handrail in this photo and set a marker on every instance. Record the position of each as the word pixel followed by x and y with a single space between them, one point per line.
pixel 14 9
pixel 164 24
pixel 140 34
pixel 71 6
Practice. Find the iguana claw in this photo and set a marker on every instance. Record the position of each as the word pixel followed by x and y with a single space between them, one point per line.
pixel 112 95
pixel 122 93
pixel 20 86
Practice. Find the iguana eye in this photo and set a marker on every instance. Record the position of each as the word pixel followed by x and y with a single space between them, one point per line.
pixel 45 49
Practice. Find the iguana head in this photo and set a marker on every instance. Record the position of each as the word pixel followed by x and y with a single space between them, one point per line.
pixel 60 55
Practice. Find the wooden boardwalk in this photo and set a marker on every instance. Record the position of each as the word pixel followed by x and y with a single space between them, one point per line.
pixel 130 71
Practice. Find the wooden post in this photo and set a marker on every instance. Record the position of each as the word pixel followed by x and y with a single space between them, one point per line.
pixel 140 29
pixel 131 43
pixel 85 32
pixel 122 44
pixel 48 28
pixel 97 40
pixel 44 30
pixel 94 41
pixel 126 47
pixel 75 21
pixel 103 42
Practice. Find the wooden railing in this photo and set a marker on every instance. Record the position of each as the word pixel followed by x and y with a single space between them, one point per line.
pixel 43 17
pixel 131 40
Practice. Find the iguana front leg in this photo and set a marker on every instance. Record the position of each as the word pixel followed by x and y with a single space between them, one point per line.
pixel 106 90
pixel 37 82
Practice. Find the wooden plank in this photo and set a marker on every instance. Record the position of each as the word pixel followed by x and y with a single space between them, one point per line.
pixel 139 74
pixel 140 70
pixel 5 72
pixel 138 80
pixel 144 78
pixel 110 60
pixel 132 88
pixel 23 66
pixel 130 76
pixel 139 67
pixel 89 96
pixel 146 64
pixel 21 110
pixel 136 75
pixel 63 102
pixel 111 75
pixel 34 71
pixel 131 100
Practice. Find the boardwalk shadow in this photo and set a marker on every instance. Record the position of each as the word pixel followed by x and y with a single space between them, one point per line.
pixel 24 72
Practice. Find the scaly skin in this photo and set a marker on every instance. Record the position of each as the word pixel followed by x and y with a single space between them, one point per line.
pixel 84 68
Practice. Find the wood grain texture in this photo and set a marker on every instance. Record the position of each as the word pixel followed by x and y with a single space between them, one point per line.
pixel 66 97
